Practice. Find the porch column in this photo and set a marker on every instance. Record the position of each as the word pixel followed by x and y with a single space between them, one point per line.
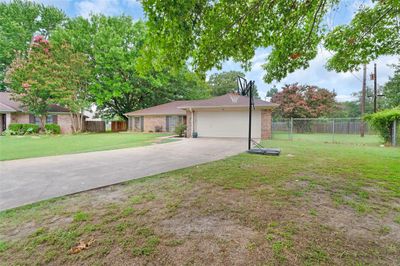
pixel 129 123
pixel 189 123
pixel 8 120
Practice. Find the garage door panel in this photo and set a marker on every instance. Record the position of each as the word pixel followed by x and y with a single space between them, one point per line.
pixel 227 124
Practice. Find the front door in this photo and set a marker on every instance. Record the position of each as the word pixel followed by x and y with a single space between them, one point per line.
pixel 3 122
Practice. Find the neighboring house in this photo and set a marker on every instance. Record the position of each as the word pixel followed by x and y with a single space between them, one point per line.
pixel 222 116
pixel 12 112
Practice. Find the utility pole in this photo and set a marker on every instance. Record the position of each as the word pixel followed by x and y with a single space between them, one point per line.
pixel 374 77
pixel 363 92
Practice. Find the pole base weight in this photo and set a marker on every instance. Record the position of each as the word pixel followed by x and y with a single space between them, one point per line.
pixel 265 151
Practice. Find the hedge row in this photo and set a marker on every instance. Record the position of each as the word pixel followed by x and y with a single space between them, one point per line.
pixel 22 129
pixel 383 122
pixel 52 128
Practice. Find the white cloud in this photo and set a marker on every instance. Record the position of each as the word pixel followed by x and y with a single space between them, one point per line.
pixel 345 98
pixel 259 59
pixel 344 84
pixel 106 7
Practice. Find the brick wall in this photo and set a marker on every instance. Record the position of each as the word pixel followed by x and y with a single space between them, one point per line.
pixel 266 124
pixel 151 121
pixel 19 118
pixel 64 121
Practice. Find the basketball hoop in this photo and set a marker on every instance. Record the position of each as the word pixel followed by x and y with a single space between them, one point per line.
pixel 234 97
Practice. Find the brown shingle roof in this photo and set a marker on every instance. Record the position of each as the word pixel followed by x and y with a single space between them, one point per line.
pixel 5 100
pixel 7 104
pixel 6 108
pixel 178 107
pixel 162 109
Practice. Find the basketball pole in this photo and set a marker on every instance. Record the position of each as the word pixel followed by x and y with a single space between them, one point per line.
pixel 246 89
pixel 250 113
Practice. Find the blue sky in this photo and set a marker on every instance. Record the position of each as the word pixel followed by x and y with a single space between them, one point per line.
pixel 344 84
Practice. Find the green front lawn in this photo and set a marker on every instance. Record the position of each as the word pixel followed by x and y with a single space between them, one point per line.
pixel 18 147
pixel 316 204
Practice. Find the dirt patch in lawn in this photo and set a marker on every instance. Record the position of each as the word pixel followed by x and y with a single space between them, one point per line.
pixel 207 226
pixel 346 219
pixel 209 235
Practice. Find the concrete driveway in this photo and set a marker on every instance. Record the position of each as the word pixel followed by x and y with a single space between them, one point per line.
pixel 30 180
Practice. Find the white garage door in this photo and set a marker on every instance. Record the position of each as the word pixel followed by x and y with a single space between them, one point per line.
pixel 234 124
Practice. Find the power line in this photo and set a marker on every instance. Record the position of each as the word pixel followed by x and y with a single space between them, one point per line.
pixel 350 71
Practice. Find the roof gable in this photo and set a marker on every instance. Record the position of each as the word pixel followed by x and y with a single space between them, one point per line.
pixel 6 108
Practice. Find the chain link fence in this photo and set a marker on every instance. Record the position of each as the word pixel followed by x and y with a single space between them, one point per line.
pixel 327 130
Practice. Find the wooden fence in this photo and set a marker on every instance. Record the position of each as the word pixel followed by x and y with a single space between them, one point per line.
pixel 95 126
pixel 117 126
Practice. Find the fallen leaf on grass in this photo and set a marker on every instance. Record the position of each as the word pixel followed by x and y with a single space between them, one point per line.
pixel 81 246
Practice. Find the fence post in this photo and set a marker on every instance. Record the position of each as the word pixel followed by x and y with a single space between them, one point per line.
pixel 333 129
pixel 291 128
pixel 394 133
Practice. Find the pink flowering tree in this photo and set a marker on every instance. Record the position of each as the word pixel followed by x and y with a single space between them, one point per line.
pixel 306 101
pixel 50 75
pixel 32 80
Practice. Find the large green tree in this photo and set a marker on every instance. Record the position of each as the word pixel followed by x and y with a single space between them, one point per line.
pixel 114 46
pixel 75 75
pixel 391 89
pixel 271 92
pixel 374 31
pixel 224 82
pixel 210 32
pixel 19 22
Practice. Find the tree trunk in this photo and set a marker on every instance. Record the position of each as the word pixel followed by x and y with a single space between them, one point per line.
pixel 72 122
pixel 42 123
pixel 78 122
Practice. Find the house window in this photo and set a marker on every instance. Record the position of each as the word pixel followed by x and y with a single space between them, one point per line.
pixel 173 121
pixel 37 120
pixel 49 120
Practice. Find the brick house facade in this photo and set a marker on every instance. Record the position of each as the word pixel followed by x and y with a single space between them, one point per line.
pixel 11 112
pixel 221 116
